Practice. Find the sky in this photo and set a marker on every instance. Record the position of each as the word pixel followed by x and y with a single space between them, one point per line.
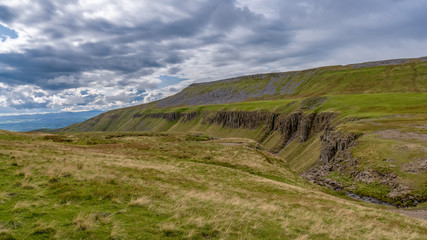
pixel 81 55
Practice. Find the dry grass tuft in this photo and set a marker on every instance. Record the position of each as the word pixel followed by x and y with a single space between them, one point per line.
pixel 25 172
pixel 140 202
pixel 118 232
pixel 23 205
pixel 4 196
pixel 85 222
pixel 42 230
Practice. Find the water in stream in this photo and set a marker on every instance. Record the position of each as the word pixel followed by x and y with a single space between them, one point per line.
pixel 368 199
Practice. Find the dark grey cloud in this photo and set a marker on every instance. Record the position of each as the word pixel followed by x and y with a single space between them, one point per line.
pixel 64 48
pixel 35 66
pixel 6 14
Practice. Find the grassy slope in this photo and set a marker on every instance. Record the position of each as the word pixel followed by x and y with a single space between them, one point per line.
pixel 407 77
pixel 168 186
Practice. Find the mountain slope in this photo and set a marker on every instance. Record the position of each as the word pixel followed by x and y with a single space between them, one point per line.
pixel 357 128
pixel 399 75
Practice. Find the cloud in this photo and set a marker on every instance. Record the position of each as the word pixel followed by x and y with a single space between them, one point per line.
pixel 33 97
pixel 6 15
pixel 130 52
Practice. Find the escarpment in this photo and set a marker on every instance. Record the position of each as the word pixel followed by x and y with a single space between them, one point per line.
pixel 335 143
pixel 296 126
pixel 240 119
pixel 300 127
pixel 334 156
pixel 171 116
pixel 185 117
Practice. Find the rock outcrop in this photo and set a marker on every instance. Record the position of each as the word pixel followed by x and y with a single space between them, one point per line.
pixel 300 127
pixel 296 125
pixel 171 116
pixel 185 117
pixel 240 119
pixel 334 156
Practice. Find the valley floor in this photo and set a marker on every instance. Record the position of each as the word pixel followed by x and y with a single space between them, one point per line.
pixel 172 186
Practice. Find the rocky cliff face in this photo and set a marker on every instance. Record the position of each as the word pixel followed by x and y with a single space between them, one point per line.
pixel 185 117
pixel 294 126
pixel 240 119
pixel 334 156
pixel 171 116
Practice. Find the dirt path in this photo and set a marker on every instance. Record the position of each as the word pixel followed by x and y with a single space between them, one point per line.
pixel 234 144
pixel 420 214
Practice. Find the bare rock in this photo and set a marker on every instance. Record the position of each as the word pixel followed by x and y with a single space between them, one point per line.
pixel 416 166
pixel 400 191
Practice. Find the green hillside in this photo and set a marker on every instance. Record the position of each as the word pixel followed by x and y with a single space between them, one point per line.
pixel 99 185
pixel 375 77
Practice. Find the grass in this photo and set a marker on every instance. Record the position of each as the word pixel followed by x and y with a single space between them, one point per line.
pixel 376 105
pixel 170 186
pixel 392 156
pixel 248 84
pixel 334 80
pixel 301 156
pixel 409 77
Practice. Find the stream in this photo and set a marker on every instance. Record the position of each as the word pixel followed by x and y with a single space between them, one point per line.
pixel 368 199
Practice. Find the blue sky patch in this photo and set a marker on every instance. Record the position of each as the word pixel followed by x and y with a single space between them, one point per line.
pixel 7 32
pixel 170 80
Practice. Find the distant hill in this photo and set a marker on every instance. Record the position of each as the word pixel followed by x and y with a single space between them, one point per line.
pixel 28 122
pixel 396 75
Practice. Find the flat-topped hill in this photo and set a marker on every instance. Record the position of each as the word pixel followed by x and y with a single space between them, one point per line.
pixel 398 75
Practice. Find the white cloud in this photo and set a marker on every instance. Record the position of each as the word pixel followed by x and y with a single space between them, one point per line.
pixel 3 100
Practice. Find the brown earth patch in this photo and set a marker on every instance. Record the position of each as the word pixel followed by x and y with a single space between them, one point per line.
pixel 392 134
pixel 420 214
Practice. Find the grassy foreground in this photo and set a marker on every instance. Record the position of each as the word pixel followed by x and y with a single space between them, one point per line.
pixel 171 186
